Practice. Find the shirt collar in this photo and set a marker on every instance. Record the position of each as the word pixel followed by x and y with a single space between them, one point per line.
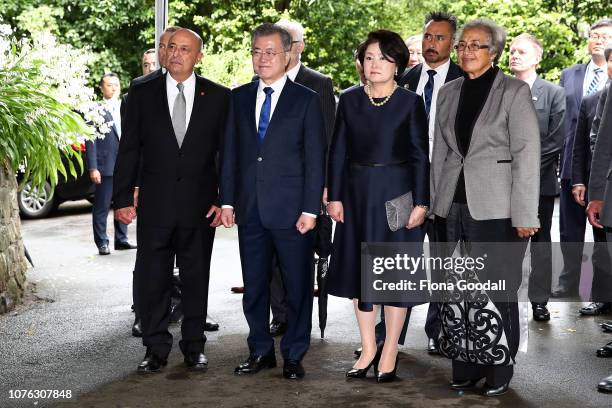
pixel 442 70
pixel 188 83
pixel 292 73
pixel 530 81
pixel 277 86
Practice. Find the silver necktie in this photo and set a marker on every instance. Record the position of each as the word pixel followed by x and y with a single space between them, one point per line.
pixel 179 114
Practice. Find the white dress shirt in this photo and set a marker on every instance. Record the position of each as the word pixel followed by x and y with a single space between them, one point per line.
pixel 439 80
pixel 292 73
pixel 261 97
pixel 188 90
pixel 590 74
pixel 531 80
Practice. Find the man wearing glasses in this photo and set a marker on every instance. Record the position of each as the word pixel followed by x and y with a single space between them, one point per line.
pixel 272 176
pixel 578 81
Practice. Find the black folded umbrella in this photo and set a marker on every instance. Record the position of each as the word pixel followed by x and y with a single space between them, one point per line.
pixel 323 244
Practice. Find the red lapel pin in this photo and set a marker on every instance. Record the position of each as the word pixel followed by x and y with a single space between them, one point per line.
pixel 202 93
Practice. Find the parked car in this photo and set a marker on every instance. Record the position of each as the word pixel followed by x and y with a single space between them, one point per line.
pixel 39 203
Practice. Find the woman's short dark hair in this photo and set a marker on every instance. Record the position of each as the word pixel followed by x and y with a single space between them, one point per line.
pixel 391 45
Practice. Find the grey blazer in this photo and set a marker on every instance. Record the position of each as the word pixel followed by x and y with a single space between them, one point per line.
pixel 502 165
pixel 600 183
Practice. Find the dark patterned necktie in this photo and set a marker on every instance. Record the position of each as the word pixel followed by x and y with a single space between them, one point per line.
pixel 428 92
pixel 264 115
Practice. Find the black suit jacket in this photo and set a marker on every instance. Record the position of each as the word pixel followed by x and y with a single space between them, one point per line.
pixel 101 153
pixel 572 80
pixel 324 87
pixel 581 150
pixel 178 185
pixel 549 101
pixel 284 175
pixel 410 79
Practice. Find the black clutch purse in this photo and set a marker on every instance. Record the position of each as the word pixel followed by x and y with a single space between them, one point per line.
pixel 398 211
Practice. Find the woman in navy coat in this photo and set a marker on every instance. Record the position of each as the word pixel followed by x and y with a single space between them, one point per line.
pixel 379 152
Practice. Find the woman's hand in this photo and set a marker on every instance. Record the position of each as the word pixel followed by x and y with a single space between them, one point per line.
pixel 335 209
pixel 417 217
pixel 526 232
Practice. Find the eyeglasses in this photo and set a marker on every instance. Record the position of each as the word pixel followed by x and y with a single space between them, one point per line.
pixel 473 47
pixel 431 37
pixel 268 53
pixel 603 37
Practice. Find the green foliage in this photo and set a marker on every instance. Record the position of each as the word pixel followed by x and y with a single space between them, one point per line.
pixel 36 130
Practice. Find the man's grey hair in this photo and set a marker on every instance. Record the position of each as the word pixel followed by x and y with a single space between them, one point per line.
pixel 293 27
pixel 268 29
pixel 533 40
pixel 414 39
pixel 496 34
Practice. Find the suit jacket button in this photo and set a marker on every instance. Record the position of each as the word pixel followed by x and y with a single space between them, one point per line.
pixel 179 178
pixel 259 159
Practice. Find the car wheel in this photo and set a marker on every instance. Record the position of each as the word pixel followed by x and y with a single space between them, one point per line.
pixel 35 202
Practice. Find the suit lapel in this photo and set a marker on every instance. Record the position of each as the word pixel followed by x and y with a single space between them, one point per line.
pixel 537 90
pixel 162 95
pixel 300 78
pixel 496 88
pixel 579 83
pixel 452 117
pixel 198 100
pixel 250 107
pixel 413 82
pixel 282 105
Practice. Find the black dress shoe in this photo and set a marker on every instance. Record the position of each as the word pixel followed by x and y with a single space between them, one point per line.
pixel 254 364
pixel 123 245
pixel 605 384
pixel 595 309
pixel 362 372
pixel 210 324
pixel 277 328
pixel 607 327
pixel 605 351
pixel 489 391
pixel 463 384
pixel 432 346
pixel 151 364
pixel 104 249
pixel 196 361
pixel 292 369
pixel 540 312
pixel 137 328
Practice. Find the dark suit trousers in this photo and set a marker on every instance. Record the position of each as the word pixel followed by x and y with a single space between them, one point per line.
pixel 102 205
pixel 257 245
pixel 572 225
pixel 157 248
pixel 602 268
pixel 540 278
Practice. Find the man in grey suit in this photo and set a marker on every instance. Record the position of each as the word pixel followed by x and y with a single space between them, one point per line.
pixel 599 209
pixel 578 81
pixel 549 100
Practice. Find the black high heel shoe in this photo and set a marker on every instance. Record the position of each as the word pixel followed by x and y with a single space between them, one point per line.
pixel 362 372
pixel 387 377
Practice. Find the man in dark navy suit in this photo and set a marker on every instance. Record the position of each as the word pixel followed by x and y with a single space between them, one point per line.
pixel 174 124
pixel 426 79
pixel 101 154
pixel 578 81
pixel 586 134
pixel 272 180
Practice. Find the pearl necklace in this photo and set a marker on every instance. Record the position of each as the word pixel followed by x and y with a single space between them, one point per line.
pixel 368 92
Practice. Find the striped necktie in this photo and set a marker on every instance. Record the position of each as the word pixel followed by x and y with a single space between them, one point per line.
pixel 595 81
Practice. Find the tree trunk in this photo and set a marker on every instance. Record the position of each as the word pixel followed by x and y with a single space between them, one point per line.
pixel 13 264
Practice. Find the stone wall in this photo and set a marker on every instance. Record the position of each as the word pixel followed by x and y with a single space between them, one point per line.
pixel 13 264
